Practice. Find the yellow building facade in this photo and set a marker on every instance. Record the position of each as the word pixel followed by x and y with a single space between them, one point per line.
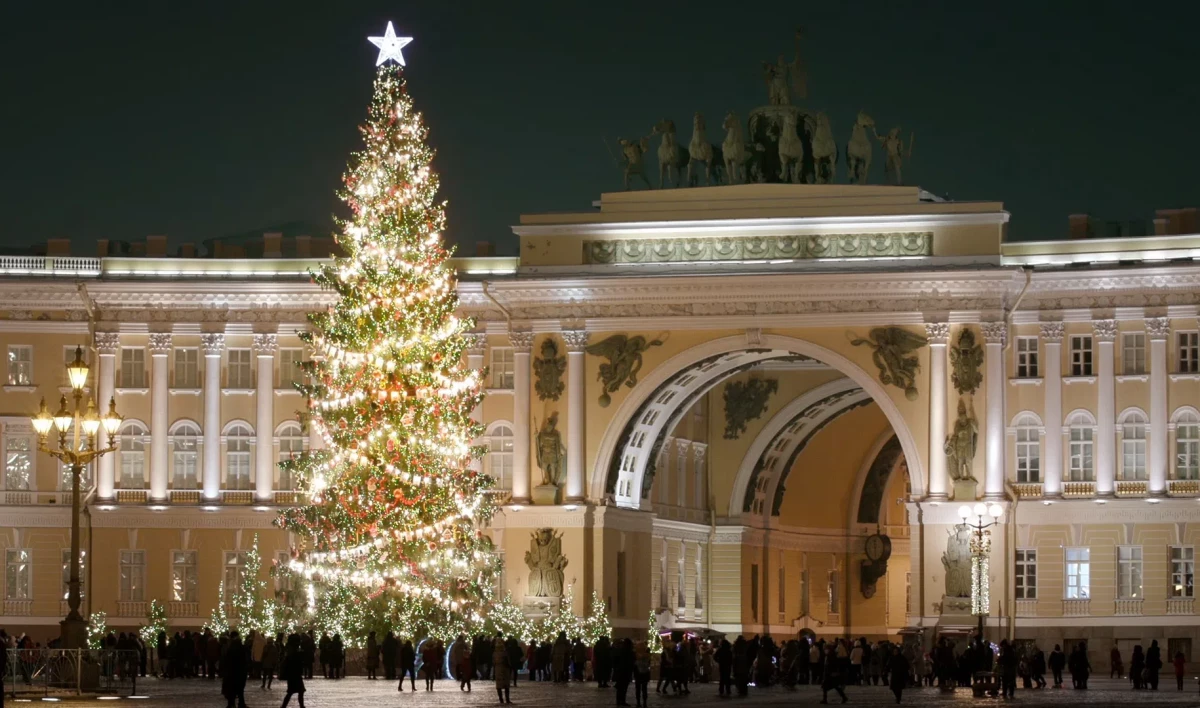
pixel 759 379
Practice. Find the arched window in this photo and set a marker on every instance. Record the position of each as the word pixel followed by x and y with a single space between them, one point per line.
pixel 1187 445
pixel 1133 446
pixel 183 452
pixel 291 444
pixel 237 456
pixel 1081 429
pixel 1029 449
pixel 500 455
pixel 133 456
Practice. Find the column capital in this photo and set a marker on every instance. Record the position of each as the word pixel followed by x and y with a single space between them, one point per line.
pixel 683 448
pixel 107 343
pixel 575 339
pixel 1053 332
pixel 522 341
pixel 1158 328
pixel 212 344
pixel 266 344
pixel 938 333
pixel 994 332
pixel 1104 330
pixel 476 343
pixel 160 343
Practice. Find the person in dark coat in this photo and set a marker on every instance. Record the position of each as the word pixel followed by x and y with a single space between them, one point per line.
pixel 387 649
pixel 1057 661
pixel 1007 669
pixel 293 670
pixel 1137 667
pixel 742 659
pixel 514 658
pixel 621 657
pixel 372 655
pixel 323 651
pixel 602 655
pixel 1037 667
pixel 270 661
pixel 235 668
pixel 898 669
pixel 1154 664
pixel 724 658
pixel 832 676
pixel 408 665
pixel 429 663
pixel 1079 666
pixel 308 648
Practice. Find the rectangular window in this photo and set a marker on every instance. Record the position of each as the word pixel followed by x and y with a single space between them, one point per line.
pixel 241 369
pixel 1129 572
pixel 1189 352
pixel 1081 355
pixel 187 368
pixel 1026 583
pixel 1187 450
pixel 1080 452
pixel 183 576
pixel 502 367
pixel 291 367
pixel 1027 357
pixel 1133 353
pixel 1183 565
pixel 1029 454
pixel 133 576
pixel 754 592
pixel 133 367
pixel 1079 573
pixel 835 593
pixel 235 565
pixel 18 574
pixel 237 470
pixel 1133 451
pixel 620 583
pixel 184 463
pixel 20 365
pixel 18 462
pixel 66 573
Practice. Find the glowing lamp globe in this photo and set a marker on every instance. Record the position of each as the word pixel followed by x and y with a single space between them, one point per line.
pixel 112 420
pixel 42 422
pixel 91 420
pixel 964 512
pixel 63 418
pixel 77 371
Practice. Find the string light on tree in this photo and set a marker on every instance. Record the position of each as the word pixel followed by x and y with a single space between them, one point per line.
pixel 391 533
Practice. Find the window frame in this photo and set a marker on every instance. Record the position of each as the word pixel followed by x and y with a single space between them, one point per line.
pixel 1136 352
pixel 129 455
pixel 1187 449
pixel 501 368
pixel 1027 434
pixel 1135 429
pixel 1081 588
pixel 234 363
pixel 19 371
pixel 1086 445
pixel 131 561
pixel 28 452
pixel 1028 359
pixel 1025 574
pixel 185 358
pixel 1187 351
pixel 503 456
pixel 133 362
pixel 293 358
pixel 239 460
pixel 1130 571
pixel 1182 571
pixel 1083 357
pixel 19 570
pixel 190 575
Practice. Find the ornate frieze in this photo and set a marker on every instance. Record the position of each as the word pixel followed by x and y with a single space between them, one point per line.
pixel 744 248
pixel 1158 328
pixel 937 332
pixel 575 339
pixel 1104 330
pixel 1052 331
pixel 994 332
pixel 522 341
pixel 107 343
pixel 160 343
pixel 212 343
pixel 266 344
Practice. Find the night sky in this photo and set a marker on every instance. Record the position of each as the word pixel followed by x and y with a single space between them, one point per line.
pixel 204 119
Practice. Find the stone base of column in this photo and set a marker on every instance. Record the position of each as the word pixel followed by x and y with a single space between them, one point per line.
pixel 525 501
pixel 1157 493
pixel 937 498
pixel 575 500
pixel 545 495
pixel 1110 494
pixel 995 497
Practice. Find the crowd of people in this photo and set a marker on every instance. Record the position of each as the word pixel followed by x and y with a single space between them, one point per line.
pixel 683 660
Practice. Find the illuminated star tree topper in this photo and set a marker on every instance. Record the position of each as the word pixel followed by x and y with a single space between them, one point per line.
pixel 389 46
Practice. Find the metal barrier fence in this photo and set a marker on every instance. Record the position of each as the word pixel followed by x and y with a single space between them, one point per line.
pixel 71 671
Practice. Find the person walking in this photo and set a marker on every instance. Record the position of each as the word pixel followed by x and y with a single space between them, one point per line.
pixel 372 656
pixel 641 674
pixel 1079 666
pixel 1007 669
pixel 622 669
pixel 429 662
pixel 308 648
pixel 408 665
pixel 898 670
pixel 1058 660
pixel 323 649
pixel 464 666
pixel 1115 667
pixel 832 676
pixel 1137 668
pixel 1037 667
pixel 602 653
pixel 234 670
pixel 269 662
pixel 387 650
pixel 1154 664
pixel 724 658
pixel 293 670
pixel 501 668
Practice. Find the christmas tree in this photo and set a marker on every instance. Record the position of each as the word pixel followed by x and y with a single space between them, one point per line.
pixel 97 629
pixel 156 621
pixel 391 527
pixel 596 624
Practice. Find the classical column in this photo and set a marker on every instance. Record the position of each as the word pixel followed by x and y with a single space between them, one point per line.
pixel 938 334
pixel 213 345
pixel 994 336
pixel 1104 332
pixel 1052 459
pixel 683 450
pixel 576 341
pixel 701 451
pixel 265 347
pixel 476 346
pixel 1158 450
pixel 160 347
pixel 522 342
pixel 107 344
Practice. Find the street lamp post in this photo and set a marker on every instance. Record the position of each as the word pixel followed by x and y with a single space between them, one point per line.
pixel 986 516
pixel 75 451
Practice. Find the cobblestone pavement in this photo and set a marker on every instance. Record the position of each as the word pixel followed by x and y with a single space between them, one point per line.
pixel 358 692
